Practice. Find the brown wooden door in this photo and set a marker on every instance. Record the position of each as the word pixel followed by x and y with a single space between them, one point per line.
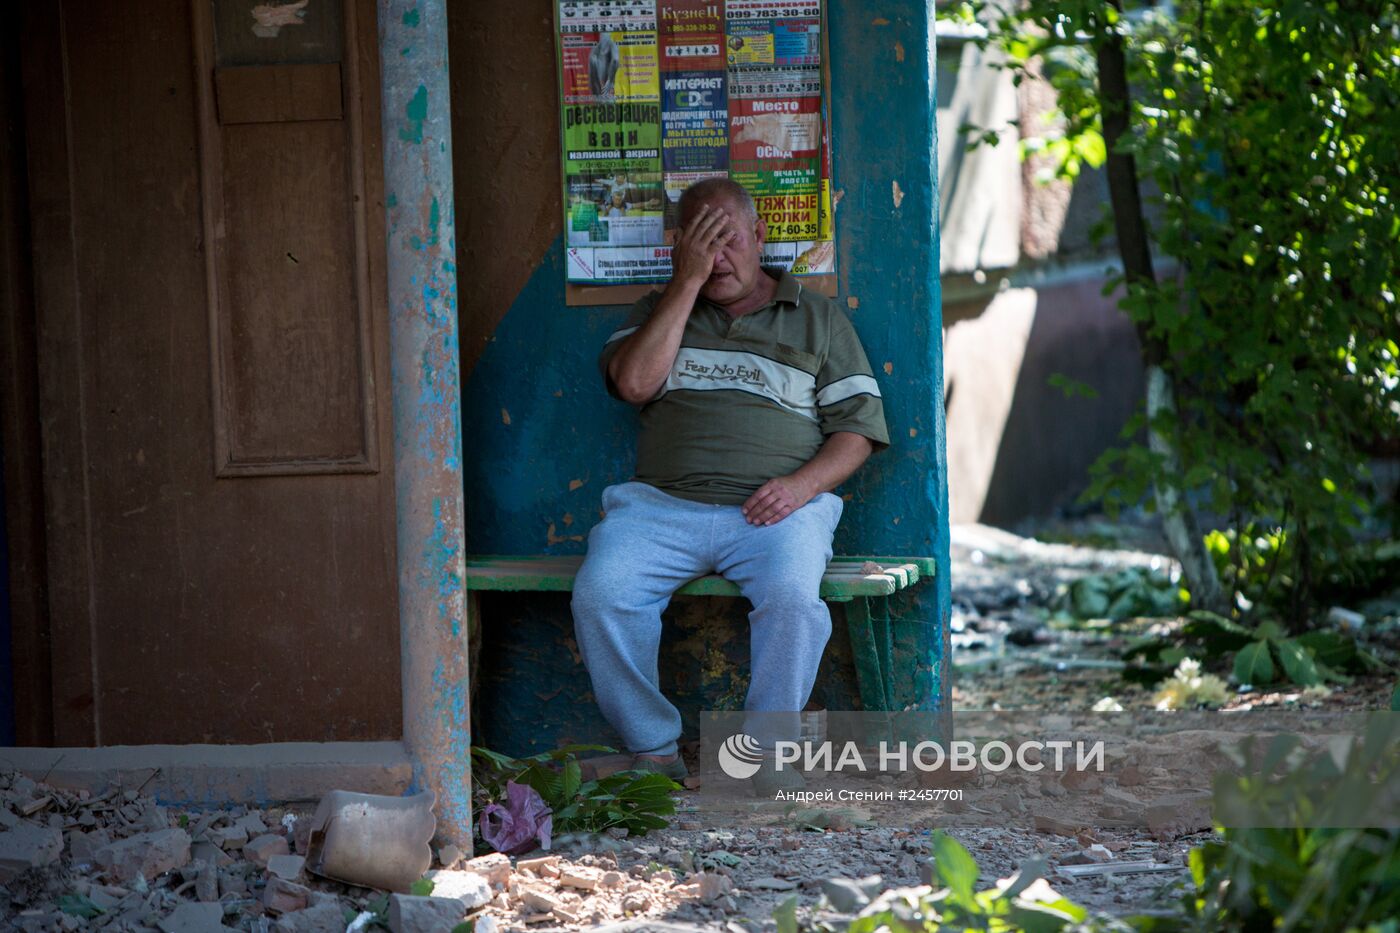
pixel 207 219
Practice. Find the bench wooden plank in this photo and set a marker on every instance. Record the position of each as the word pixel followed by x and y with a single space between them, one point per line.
pixel 845 577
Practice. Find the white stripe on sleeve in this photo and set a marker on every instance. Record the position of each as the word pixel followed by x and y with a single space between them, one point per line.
pixel 849 387
pixel 619 334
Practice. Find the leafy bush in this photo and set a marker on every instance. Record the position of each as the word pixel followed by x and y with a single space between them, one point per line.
pixel 1261 655
pixel 1124 594
pixel 1296 877
pixel 1258 135
pixel 634 800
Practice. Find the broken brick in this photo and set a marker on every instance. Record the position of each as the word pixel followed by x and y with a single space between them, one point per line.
pixel 145 854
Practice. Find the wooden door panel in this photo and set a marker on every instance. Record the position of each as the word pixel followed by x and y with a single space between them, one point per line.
pixel 199 602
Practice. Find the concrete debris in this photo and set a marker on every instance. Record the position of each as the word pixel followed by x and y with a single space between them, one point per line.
pixel 284 897
pixel 264 847
pixel 412 914
pixel 710 875
pixel 194 918
pixel 850 895
pixel 145 854
pixel 326 917
pixel 27 846
pixel 449 856
pixel 289 867
pixel 471 889
pixel 495 868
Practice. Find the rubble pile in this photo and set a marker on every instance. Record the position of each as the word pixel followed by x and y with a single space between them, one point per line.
pixel 120 861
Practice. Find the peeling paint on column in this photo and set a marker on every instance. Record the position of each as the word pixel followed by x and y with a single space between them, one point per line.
pixel 416 111
pixel 425 366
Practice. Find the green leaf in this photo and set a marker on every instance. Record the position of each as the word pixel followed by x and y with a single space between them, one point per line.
pixel 1253 665
pixel 573 779
pixel 1395 699
pixel 956 867
pixel 1297 663
pixel 421 888
pixel 785 915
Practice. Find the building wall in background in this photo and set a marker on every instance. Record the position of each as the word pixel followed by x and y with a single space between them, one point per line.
pixel 1022 286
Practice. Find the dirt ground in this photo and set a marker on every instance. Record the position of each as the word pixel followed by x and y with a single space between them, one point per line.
pixel 708 870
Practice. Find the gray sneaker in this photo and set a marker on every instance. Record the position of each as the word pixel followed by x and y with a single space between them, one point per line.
pixel 769 780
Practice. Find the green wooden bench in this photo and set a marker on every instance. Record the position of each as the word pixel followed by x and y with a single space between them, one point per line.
pixel 863 584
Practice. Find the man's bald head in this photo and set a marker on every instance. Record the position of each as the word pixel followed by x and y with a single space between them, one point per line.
pixel 725 190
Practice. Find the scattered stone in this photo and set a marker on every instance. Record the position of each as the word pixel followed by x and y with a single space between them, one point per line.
pixel 635 902
pixel 849 895
pixel 228 837
pixel 409 913
pixel 209 852
pixel 471 889
pixel 206 885
pixel 495 868
pixel 34 806
pixel 537 865
pixel 28 846
pixel 145 854
pixel 251 824
pixel 449 856
pixel 82 846
pixel 265 847
pixel 579 878
pixel 287 867
pixel 193 918
pixel 1122 798
pixel 1078 781
pixel 1099 853
pixel 611 879
pixel 325 917
pixel 773 884
pixel 281 896
pixel 539 900
pixel 1131 776
pixel 713 886
pixel 1179 814
pixel 232 883
pixel 485 923
pixel 1044 823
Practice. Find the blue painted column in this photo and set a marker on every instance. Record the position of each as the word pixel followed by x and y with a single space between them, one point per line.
pixel 422 290
pixel 885 163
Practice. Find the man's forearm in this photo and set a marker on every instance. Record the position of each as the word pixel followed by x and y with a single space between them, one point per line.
pixel 840 455
pixel 643 361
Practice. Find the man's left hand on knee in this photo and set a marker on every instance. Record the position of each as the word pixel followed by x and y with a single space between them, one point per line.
pixel 776 499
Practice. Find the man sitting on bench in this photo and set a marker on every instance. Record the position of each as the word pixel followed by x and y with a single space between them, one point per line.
pixel 756 401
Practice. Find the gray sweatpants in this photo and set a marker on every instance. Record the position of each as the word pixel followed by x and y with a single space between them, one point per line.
pixel 651 543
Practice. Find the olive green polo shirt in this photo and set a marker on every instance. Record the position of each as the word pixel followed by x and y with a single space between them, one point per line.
pixel 753 397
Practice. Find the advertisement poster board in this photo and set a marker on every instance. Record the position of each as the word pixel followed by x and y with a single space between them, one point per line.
pixel 656 95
